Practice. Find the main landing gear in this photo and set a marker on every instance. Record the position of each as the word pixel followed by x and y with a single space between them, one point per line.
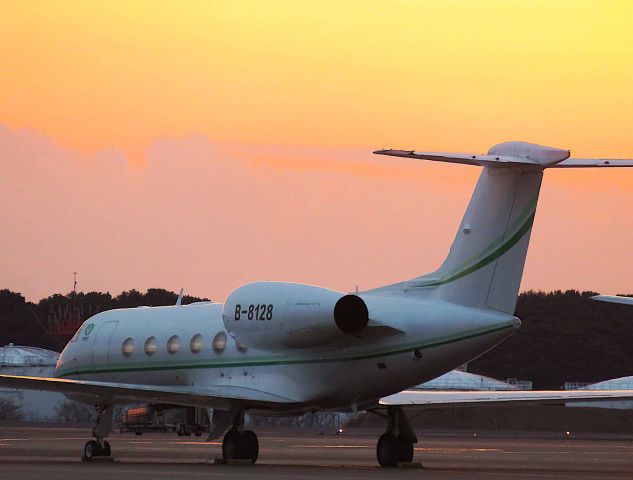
pixel 396 444
pixel 100 447
pixel 240 444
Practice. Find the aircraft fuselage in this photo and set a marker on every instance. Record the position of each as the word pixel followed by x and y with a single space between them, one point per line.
pixel 175 346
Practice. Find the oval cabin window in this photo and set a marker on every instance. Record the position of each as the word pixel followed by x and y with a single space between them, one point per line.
pixel 150 346
pixel 196 343
pixel 173 345
pixel 219 342
pixel 127 348
pixel 240 346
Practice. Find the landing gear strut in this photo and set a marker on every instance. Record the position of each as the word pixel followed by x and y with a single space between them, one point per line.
pixel 396 444
pixel 240 444
pixel 99 447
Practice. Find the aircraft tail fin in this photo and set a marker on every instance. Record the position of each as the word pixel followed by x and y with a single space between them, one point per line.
pixel 485 263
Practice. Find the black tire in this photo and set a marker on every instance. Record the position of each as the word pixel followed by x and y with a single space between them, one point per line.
pixel 405 449
pixel 387 450
pixel 91 450
pixel 251 445
pixel 107 450
pixel 138 433
pixel 232 446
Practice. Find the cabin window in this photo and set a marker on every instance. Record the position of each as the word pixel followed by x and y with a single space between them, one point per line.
pixel 240 346
pixel 150 346
pixel 196 343
pixel 219 342
pixel 173 345
pixel 127 348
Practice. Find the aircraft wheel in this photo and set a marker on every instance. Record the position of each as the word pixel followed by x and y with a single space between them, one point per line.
pixel 405 449
pixel 232 445
pixel 91 449
pixel 387 450
pixel 251 445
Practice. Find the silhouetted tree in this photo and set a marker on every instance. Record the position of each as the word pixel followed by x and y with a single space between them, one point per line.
pixel 565 336
pixel 25 323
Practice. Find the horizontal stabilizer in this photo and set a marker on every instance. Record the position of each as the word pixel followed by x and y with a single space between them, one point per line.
pixel 613 299
pixel 594 162
pixel 503 154
pixel 427 398
pixel 464 158
pixel 513 153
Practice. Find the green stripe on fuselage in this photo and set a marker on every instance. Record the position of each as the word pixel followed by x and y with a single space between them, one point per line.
pixel 284 360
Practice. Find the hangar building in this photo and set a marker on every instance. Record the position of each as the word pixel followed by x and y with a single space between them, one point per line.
pixel 460 380
pixel 622 383
pixel 35 406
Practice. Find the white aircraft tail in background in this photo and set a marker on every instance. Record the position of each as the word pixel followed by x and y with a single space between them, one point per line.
pixel 613 299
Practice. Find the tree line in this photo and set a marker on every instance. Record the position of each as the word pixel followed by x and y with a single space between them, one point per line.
pixel 565 336
pixel 28 323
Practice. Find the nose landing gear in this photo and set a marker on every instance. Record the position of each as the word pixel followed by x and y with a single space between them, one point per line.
pixel 100 447
pixel 94 448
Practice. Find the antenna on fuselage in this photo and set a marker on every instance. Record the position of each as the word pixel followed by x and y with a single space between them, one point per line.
pixel 179 300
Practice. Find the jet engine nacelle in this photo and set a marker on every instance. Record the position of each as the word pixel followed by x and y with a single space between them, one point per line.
pixel 277 315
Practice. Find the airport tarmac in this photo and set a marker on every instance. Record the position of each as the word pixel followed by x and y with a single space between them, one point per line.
pixel 54 453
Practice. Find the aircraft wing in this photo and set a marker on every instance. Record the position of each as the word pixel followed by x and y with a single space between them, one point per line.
pixel 613 299
pixel 112 392
pixel 429 398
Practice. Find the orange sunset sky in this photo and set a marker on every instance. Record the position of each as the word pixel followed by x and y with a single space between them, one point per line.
pixel 208 144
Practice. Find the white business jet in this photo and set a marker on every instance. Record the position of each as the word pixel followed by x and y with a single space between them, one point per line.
pixel 277 348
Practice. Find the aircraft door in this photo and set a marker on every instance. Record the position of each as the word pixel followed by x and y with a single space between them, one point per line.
pixel 101 350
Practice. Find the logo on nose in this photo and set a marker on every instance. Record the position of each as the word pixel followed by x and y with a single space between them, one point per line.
pixel 89 329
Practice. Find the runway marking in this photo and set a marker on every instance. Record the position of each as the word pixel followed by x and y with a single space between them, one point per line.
pixel 331 446
pixel 38 439
pixel 458 450
pixel 194 443
pixel 149 442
